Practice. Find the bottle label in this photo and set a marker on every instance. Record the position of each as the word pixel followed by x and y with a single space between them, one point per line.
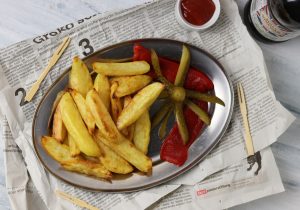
pixel 266 24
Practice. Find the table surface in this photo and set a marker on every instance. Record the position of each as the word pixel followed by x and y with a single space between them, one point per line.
pixel 20 20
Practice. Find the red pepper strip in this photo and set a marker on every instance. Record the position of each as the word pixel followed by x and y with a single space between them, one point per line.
pixel 195 80
pixel 173 150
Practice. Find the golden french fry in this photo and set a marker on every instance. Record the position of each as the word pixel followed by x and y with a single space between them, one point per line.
pixel 112 161
pixel 141 137
pixel 129 152
pixel 122 69
pixel 127 100
pixel 76 127
pixel 59 152
pixel 102 117
pixel 73 147
pixel 129 131
pixel 130 84
pixel 80 78
pixel 88 167
pixel 55 103
pixel 90 158
pixel 139 104
pixel 102 86
pixel 116 105
pixel 59 131
pixel 83 110
pixel 66 141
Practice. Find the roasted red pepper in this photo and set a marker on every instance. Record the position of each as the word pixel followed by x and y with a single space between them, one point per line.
pixel 195 80
pixel 173 150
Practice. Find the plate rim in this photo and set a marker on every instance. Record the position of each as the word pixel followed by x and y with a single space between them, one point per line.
pixel 158 182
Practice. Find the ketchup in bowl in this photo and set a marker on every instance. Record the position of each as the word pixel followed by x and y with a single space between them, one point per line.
pixel 197 12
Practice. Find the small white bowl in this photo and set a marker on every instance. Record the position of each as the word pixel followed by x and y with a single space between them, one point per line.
pixel 184 23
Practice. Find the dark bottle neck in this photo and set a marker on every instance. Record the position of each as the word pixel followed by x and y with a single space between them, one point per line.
pixel 287 12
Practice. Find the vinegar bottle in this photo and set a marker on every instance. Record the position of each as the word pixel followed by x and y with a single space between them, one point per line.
pixel 273 20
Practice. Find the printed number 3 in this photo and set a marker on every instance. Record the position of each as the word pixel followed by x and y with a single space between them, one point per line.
pixel 23 92
pixel 88 49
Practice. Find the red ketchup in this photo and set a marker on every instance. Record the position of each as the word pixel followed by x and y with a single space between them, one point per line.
pixel 197 12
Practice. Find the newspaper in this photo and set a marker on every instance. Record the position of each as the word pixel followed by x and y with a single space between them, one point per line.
pixel 227 188
pixel 228 41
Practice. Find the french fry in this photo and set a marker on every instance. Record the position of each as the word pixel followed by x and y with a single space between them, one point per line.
pixel 73 147
pixel 83 110
pixel 55 103
pixel 80 78
pixel 102 117
pixel 102 86
pixel 122 69
pixel 93 159
pixel 141 137
pixel 116 105
pixel 129 131
pixel 139 104
pixel 127 100
pixel 59 131
pixel 130 84
pixel 59 152
pixel 88 167
pixel 66 141
pixel 112 161
pixel 128 151
pixel 76 127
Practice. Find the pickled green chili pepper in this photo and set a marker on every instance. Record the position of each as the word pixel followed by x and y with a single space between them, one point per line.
pixel 162 131
pixel 183 67
pixel 177 92
pixel 164 94
pixel 204 97
pixel 181 122
pixel 156 67
pixel 178 96
pixel 157 118
pixel 201 113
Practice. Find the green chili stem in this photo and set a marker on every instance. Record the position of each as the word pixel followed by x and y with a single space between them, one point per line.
pixel 183 66
pixel 158 116
pixel 156 67
pixel 162 131
pixel 204 97
pixel 164 94
pixel 200 112
pixel 181 122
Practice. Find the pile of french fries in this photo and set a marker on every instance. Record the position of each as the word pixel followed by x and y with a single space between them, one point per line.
pixel 102 126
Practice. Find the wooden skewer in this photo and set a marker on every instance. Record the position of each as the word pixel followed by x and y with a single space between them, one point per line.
pixel 75 200
pixel 57 54
pixel 243 108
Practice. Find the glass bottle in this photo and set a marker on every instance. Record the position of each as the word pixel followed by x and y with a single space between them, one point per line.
pixel 273 20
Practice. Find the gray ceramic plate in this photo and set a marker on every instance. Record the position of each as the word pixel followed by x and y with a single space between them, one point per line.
pixel 162 171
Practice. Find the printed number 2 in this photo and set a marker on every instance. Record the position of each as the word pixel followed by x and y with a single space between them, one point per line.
pixel 23 92
pixel 88 49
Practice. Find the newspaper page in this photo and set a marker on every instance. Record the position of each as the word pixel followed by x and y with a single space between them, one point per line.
pixel 229 187
pixel 228 41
